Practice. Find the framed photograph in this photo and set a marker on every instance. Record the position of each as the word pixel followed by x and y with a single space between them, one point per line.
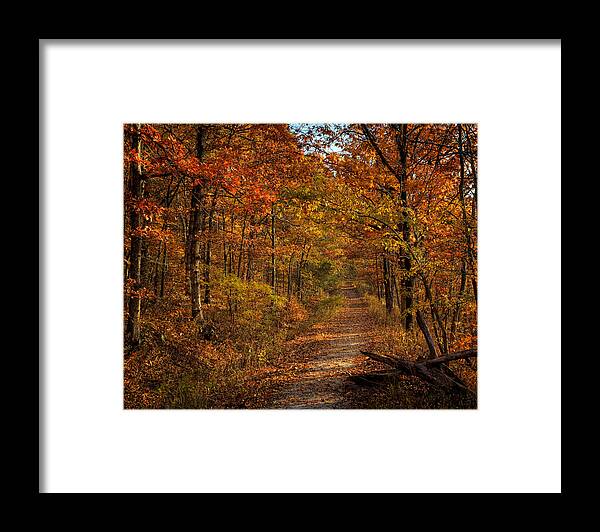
pixel 265 261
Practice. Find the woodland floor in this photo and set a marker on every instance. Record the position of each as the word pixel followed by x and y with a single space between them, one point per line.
pixel 315 370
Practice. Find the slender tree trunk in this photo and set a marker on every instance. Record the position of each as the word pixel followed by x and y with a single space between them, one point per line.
pixel 193 226
pixel 136 192
pixel 250 253
pixel 303 259
pixel 377 278
pixel 196 259
pixel 467 227
pixel 289 279
pixel 145 266
pixel 159 269
pixel 241 254
pixel 196 255
pixel 224 243
pixel 471 156
pixel 231 247
pixel 463 282
pixel 163 271
pixel 207 261
pixel 250 249
pixel 273 263
pixel 387 286
pixel 299 274
pixel 396 290
pixel 443 342
pixel 185 229
pixel 407 281
pixel 425 330
pixel 156 266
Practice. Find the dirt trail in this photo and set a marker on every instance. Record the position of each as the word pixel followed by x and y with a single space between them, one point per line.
pixel 317 375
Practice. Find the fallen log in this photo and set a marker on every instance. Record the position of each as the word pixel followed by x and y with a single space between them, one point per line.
pixel 459 355
pixel 433 370
pixel 374 379
pixel 393 361
pixel 390 361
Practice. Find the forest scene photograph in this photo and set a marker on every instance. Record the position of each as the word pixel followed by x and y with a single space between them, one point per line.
pixel 304 265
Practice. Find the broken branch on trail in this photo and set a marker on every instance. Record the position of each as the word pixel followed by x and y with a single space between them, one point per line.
pixel 433 371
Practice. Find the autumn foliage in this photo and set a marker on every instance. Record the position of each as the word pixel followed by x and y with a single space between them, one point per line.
pixel 236 235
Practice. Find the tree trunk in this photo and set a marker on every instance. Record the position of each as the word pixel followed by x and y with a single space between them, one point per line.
pixel 407 282
pixel 428 338
pixel 299 274
pixel 401 175
pixel 377 284
pixel 396 290
pixel 224 244
pixel 249 265
pixel 195 244
pixel 163 271
pixel 436 316
pixel 387 285
pixel 463 282
pixel 157 263
pixel 241 254
pixel 467 227
pixel 146 270
pixel 301 264
pixel 273 264
pixel 208 257
pixel 231 248
pixel 136 192
pixel 289 279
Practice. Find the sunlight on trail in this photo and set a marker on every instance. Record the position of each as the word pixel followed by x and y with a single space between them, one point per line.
pixel 318 379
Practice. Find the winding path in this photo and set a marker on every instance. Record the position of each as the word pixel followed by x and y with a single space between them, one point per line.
pixel 316 377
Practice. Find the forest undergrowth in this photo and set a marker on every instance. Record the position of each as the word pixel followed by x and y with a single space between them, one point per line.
pixel 404 392
pixel 177 368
